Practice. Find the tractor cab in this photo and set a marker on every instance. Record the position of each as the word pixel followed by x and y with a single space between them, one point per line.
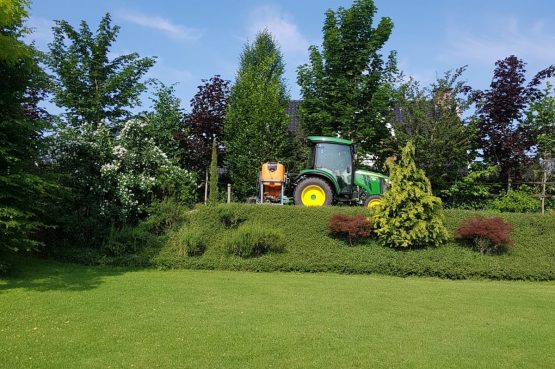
pixel 333 156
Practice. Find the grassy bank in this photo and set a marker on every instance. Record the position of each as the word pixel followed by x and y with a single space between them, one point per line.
pixel 309 247
pixel 65 316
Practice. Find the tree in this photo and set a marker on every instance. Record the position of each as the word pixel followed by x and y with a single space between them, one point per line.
pixel 205 124
pixel 540 118
pixel 166 121
pixel 86 83
pixel 22 188
pixel 431 118
pixel 97 93
pixel 347 87
pixel 256 121
pixel 410 215
pixel 504 142
pixel 213 200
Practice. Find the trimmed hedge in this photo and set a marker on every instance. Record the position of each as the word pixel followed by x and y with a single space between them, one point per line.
pixel 310 248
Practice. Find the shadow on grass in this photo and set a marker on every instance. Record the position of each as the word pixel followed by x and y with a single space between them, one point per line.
pixel 44 275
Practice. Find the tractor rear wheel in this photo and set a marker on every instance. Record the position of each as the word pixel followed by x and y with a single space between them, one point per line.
pixel 372 202
pixel 313 191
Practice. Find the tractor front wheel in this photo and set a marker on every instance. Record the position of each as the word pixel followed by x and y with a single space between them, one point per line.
pixel 313 192
pixel 373 202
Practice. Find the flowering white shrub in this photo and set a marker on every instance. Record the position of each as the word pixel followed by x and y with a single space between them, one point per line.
pixel 141 171
pixel 117 176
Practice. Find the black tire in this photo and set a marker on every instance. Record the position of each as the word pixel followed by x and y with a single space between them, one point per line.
pixel 313 181
pixel 373 199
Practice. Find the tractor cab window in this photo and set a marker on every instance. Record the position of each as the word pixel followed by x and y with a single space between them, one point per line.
pixel 336 158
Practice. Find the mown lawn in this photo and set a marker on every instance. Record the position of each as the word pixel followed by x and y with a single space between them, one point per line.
pixel 65 316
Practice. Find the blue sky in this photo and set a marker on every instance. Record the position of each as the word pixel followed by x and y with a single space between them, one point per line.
pixel 197 39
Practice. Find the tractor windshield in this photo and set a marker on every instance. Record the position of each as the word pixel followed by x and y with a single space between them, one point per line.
pixel 336 158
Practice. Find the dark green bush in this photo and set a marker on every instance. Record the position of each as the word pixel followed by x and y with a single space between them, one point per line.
pixel 164 215
pixel 516 202
pixel 254 240
pixel 189 242
pixel 194 244
pixel 127 240
pixel 230 215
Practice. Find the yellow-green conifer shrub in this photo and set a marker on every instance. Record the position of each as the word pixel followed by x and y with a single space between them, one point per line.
pixel 410 215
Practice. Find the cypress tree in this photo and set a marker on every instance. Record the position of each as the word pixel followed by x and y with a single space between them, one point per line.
pixel 410 215
pixel 256 121
pixel 213 198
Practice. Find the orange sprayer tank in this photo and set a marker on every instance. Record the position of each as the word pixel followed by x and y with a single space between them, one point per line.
pixel 273 174
pixel 272 179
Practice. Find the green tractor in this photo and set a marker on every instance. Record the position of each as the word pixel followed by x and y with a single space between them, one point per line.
pixel 329 178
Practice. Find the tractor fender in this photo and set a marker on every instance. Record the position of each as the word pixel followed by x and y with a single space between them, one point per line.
pixel 323 174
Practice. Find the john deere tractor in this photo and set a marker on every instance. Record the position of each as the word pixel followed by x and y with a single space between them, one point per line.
pixel 329 178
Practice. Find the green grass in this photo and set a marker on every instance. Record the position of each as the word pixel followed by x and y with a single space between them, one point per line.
pixel 66 316
pixel 310 248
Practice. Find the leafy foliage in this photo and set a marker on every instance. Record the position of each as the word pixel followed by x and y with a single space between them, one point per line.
pixel 431 118
pixel 504 142
pixel 82 67
pixel 475 190
pixel 410 215
pixel 347 85
pixel 166 121
pixel 487 234
pixel 352 227
pixel 140 172
pixel 256 121
pixel 23 188
pixel 540 118
pixel 516 201
pixel 254 240
pixel 165 214
pixel 127 240
pixel 205 124
pixel 230 216
pixel 189 242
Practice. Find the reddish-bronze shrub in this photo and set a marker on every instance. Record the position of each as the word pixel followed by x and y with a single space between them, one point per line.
pixel 487 234
pixel 352 227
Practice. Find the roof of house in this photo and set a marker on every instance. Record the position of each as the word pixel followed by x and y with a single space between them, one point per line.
pixel 292 113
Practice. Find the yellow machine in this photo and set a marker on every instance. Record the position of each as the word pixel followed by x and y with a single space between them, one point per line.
pixel 272 180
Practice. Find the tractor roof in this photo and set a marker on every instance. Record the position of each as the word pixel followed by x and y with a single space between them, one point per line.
pixel 335 140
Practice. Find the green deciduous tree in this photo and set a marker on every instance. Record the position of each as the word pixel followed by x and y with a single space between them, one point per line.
pixel 256 121
pixel 105 187
pixel 22 189
pixel 87 83
pixel 431 117
pixel 166 121
pixel 410 215
pixel 347 86
pixel 540 118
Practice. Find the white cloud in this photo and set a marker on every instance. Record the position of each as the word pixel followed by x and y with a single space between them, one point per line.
pixel 285 32
pixel 502 37
pixel 173 30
